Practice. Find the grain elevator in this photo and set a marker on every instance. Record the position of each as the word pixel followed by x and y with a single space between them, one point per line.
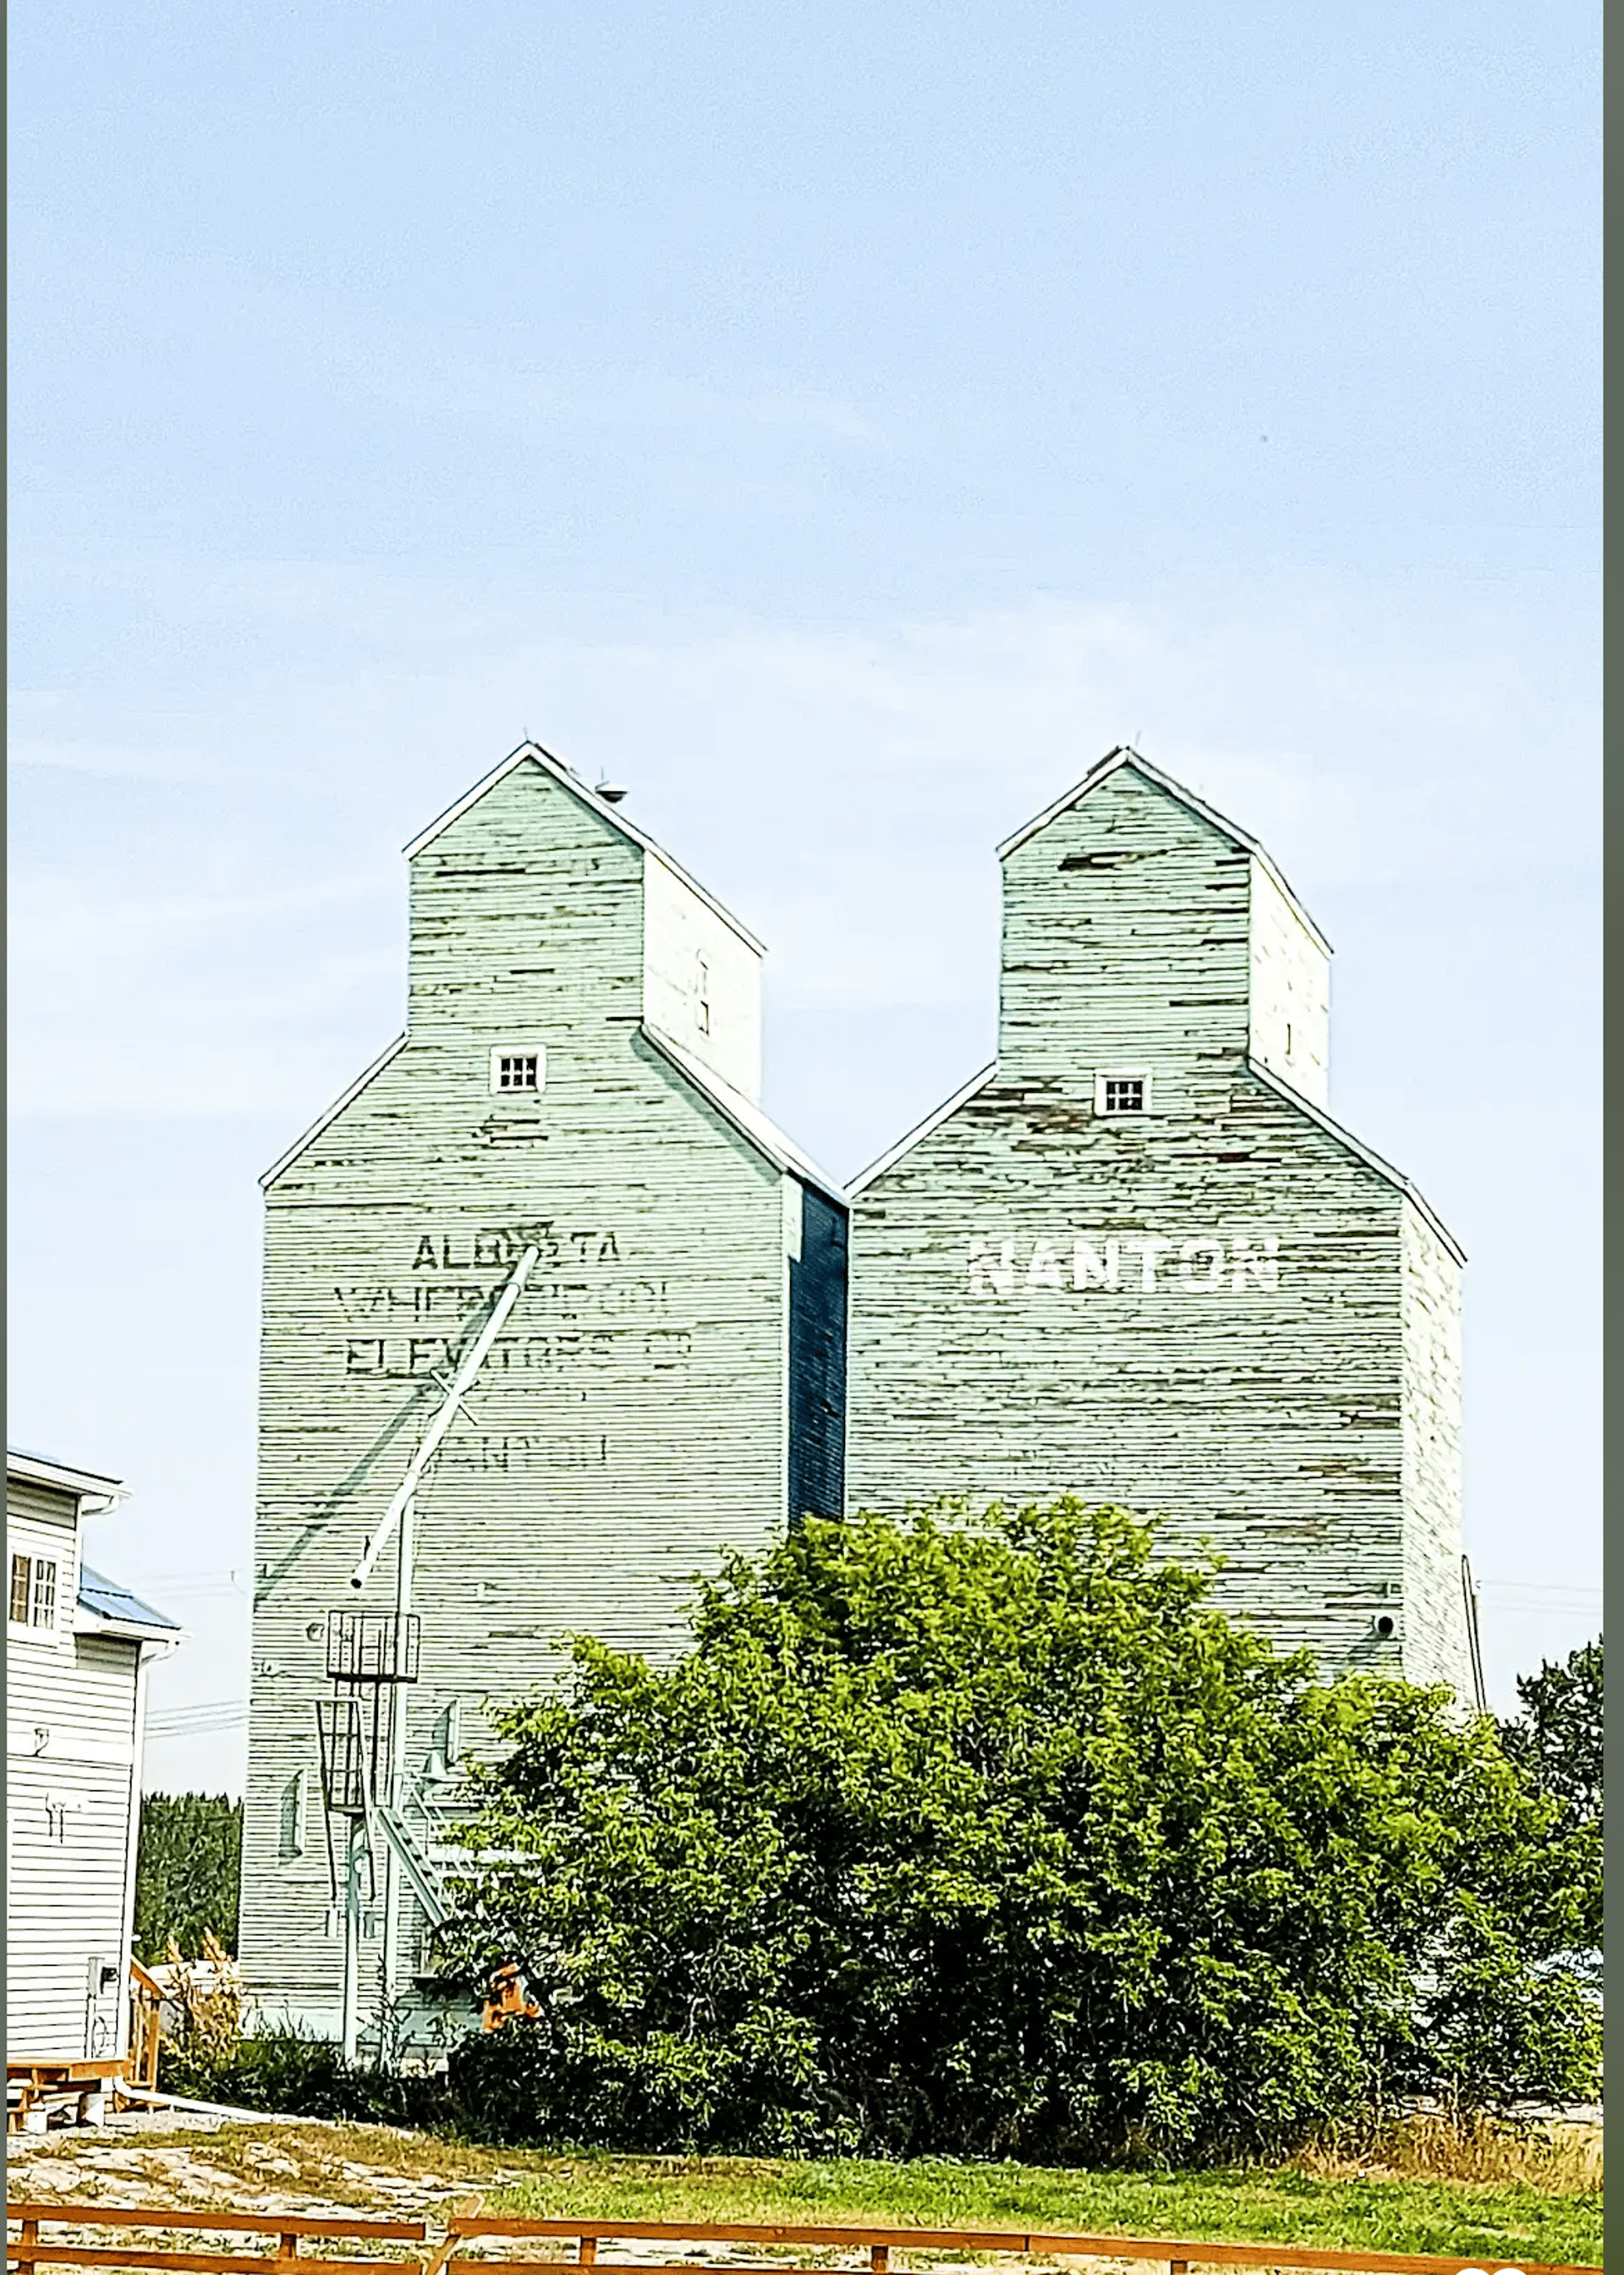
pixel 1136 1259
pixel 552 1314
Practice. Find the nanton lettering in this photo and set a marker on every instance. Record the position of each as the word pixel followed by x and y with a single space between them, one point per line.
pixel 1141 1263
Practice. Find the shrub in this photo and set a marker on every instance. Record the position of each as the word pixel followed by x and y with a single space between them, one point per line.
pixel 287 2073
pixel 187 1873
pixel 1001 1840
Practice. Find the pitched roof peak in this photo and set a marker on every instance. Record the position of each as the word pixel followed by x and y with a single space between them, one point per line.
pixel 604 802
pixel 1123 757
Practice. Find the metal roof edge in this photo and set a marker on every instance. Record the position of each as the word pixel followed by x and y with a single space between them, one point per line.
pixel 1114 761
pixel 921 1129
pixel 1360 1150
pixel 89 1575
pixel 533 754
pixel 89 1621
pixel 36 1469
pixel 94 1623
pixel 324 1120
pixel 745 1114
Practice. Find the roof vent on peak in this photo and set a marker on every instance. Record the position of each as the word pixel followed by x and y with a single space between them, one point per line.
pixel 611 793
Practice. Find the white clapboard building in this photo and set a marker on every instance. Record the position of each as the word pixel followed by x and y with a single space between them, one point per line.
pixel 77 1649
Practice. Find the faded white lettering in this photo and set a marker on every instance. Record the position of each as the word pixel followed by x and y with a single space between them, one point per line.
pixel 1255 1262
pixel 1195 1264
pixel 1044 1270
pixel 991 1271
pixel 1152 1248
pixel 1097 1268
pixel 1210 1282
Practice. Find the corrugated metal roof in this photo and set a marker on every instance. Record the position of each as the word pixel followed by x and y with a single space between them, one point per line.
pixel 109 1601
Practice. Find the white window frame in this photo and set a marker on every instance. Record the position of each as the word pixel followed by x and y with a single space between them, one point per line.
pixel 517 1050
pixel 1103 1074
pixel 38 1629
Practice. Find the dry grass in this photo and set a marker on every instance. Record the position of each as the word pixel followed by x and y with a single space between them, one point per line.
pixel 1495 2195
pixel 1561 2159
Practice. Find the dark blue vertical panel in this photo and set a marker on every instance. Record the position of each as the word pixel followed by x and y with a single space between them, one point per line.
pixel 818 1363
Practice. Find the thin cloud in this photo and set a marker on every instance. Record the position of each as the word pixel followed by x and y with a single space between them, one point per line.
pixel 845 793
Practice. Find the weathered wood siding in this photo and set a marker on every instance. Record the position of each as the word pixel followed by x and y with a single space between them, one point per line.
pixel 70 1787
pixel 1436 1648
pixel 632 1420
pixel 1201 1312
pixel 1290 990
pixel 701 979
pixel 1126 943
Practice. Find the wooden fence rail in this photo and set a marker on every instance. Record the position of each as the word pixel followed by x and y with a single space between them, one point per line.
pixel 453 2256
pixel 878 2243
pixel 28 2249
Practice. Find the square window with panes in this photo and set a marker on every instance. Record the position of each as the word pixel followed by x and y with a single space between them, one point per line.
pixel 1122 1093
pixel 518 1070
pixel 32 1602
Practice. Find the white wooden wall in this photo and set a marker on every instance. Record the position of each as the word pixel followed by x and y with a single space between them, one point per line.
pixel 70 1783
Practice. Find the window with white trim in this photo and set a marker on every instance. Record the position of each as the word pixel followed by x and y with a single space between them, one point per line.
pixel 518 1070
pixel 1121 1090
pixel 32 1601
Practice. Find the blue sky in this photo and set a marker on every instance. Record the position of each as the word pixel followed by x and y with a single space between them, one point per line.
pixel 842 425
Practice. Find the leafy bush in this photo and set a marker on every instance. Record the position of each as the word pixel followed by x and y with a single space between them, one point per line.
pixel 1000 1840
pixel 288 2073
pixel 187 1873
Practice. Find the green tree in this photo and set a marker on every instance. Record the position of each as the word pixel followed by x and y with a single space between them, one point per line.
pixel 1000 1839
pixel 1556 1741
pixel 187 1873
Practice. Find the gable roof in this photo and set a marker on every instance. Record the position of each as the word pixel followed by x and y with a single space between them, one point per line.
pixel 1122 757
pixel 1266 1074
pixel 331 1114
pixel 922 1129
pixel 1361 1151
pixel 107 1602
pixel 745 1115
pixel 531 754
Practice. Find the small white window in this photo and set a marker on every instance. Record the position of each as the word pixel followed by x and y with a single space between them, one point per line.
pixel 702 995
pixel 1121 1090
pixel 32 1602
pixel 518 1070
